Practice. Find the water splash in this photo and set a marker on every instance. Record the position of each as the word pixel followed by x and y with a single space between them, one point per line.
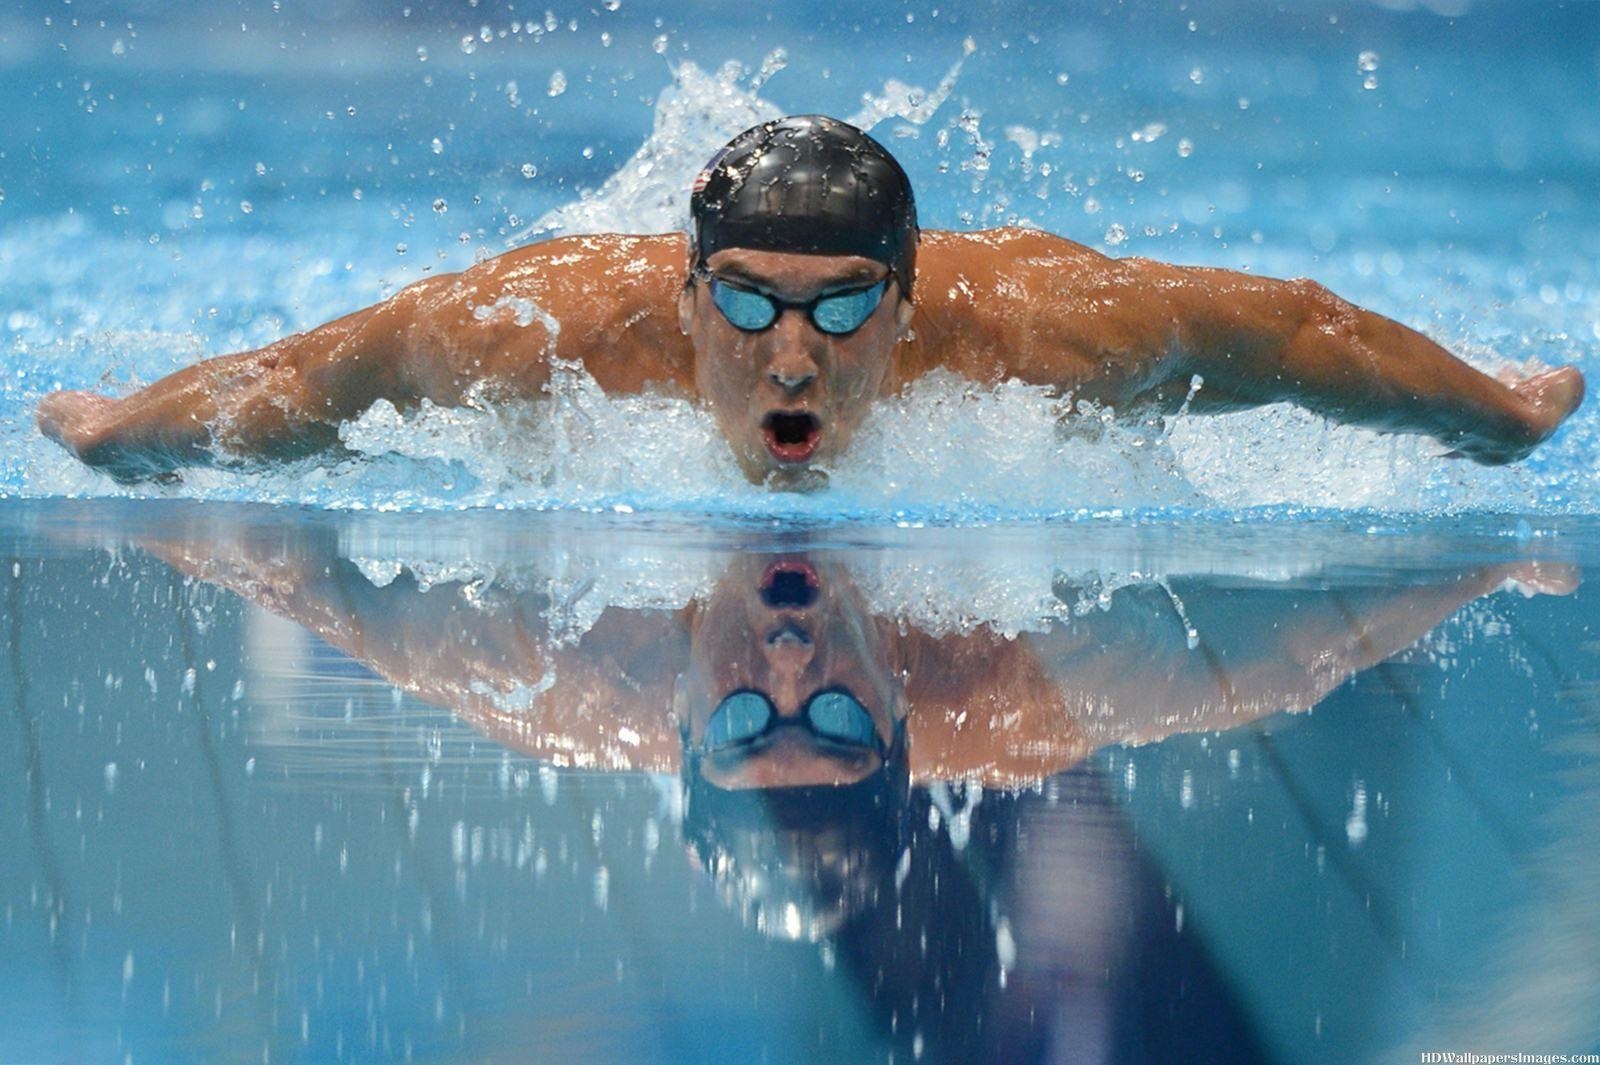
pixel 944 450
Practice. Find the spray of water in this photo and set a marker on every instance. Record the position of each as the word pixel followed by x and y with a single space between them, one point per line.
pixel 944 450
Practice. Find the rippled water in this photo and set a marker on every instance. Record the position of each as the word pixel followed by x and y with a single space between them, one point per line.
pixel 329 786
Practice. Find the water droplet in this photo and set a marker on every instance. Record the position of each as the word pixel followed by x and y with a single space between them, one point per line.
pixel 610 5
pixel 659 45
pixel 1185 147
pixel 437 146
pixel 1367 62
pixel 261 169
pixel 530 171
pixel 1197 75
pixel 400 249
pixel 558 83
pixel 422 53
pixel 111 778
pixel 469 44
pixel 246 206
pixel 439 206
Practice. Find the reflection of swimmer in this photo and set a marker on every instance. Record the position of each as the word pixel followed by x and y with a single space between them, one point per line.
pixel 783 675
pixel 799 718
pixel 796 312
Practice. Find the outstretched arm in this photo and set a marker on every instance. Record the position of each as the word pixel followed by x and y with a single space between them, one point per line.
pixel 1132 333
pixel 483 652
pixel 606 302
pixel 1255 340
pixel 1134 675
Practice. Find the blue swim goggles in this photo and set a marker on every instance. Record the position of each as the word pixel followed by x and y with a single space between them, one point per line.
pixel 746 717
pixel 834 313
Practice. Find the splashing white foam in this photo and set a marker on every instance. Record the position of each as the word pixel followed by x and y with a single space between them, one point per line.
pixel 945 449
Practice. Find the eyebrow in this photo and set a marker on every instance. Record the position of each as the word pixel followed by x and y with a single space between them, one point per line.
pixel 731 760
pixel 853 278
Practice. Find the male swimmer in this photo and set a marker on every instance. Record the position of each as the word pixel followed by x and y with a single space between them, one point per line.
pixel 803 292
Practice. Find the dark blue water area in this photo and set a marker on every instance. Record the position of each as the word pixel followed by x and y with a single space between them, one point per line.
pixel 289 784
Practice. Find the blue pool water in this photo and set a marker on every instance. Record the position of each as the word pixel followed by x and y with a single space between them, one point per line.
pixel 1237 739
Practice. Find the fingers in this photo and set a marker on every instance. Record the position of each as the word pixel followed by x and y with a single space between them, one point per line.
pixel 1529 579
pixel 71 418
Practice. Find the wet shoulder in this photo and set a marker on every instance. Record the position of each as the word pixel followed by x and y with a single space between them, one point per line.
pixel 993 253
pixel 589 261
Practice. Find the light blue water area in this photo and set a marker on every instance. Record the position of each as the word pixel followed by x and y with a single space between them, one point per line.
pixel 183 184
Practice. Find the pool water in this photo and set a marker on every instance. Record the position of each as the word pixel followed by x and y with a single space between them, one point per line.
pixel 324 815
pixel 1247 738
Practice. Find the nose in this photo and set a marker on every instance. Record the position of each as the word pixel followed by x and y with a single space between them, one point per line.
pixel 788 651
pixel 793 366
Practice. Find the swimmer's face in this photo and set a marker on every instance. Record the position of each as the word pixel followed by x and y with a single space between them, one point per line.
pixel 787 628
pixel 790 397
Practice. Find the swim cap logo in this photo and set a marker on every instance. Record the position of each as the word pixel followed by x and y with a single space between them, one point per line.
pixel 709 169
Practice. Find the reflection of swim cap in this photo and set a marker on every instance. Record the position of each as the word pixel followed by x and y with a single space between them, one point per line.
pixel 807 184
pixel 797 863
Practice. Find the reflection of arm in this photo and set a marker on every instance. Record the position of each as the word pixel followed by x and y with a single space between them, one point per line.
pixel 602 702
pixel 1129 674
pixel 981 707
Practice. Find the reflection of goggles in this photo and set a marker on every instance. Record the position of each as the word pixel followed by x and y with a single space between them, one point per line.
pixel 834 313
pixel 746 717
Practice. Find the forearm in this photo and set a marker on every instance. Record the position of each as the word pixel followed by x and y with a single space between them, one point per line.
pixel 1255 340
pixel 281 401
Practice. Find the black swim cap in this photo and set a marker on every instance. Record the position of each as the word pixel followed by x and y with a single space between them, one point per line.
pixel 807 184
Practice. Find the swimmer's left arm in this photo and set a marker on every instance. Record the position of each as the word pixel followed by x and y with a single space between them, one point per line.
pixel 1256 340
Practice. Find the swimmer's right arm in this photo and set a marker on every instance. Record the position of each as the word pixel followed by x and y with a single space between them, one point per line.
pixel 494 325
pixel 282 401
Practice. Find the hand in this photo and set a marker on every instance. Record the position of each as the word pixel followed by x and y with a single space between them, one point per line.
pixel 1548 398
pixel 74 419
pixel 1529 579
pixel 80 421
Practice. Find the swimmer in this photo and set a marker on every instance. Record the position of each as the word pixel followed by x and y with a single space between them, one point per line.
pixel 803 293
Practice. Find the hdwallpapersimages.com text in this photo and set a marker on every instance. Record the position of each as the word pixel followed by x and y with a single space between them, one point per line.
pixel 1472 1057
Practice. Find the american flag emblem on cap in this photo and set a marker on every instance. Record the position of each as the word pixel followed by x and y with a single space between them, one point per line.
pixel 710 168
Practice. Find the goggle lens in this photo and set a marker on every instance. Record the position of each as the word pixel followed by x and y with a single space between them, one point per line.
pixel 746 716
pixel 744 309
pixel 845 312
pixel 836 315
pixel 837 716
pixel 740 718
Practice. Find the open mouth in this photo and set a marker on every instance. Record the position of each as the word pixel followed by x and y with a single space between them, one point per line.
pixel 789 586
pixel 791 436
